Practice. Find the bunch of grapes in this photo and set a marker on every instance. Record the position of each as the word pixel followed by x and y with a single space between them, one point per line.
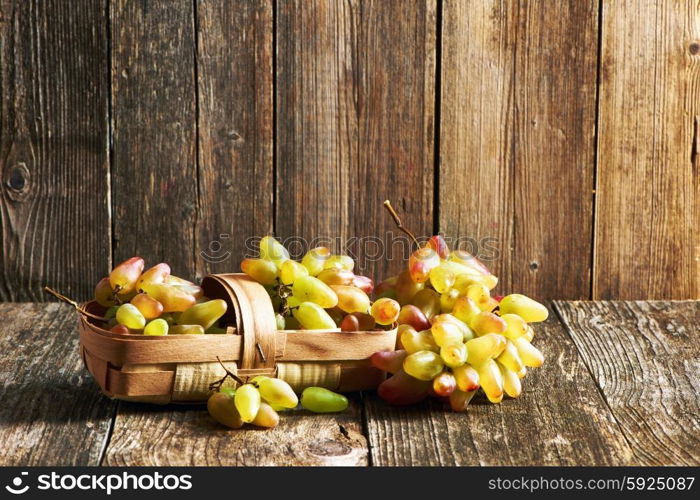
pixel 454 337
pixel 156 302
pixel 319 293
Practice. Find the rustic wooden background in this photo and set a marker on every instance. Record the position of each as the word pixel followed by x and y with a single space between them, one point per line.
pixel 567 131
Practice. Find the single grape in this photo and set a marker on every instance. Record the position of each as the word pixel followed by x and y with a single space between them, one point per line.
pixel 351 299
pixel 350 323
pixel 364 283
pixel 484 348
pixel 421 262
pixel 310 289
pixel 454 355
pixel 336 276
pixel 261 270
pixel 446 333
pixel 412 315
pixel 172 298
pixel 266 417
pixel 444 384
pixel 459 400
pixel 281 323
pixel 481 297
pixel 320 400
pixel 511 382
pixel 442 279
pixel 186 330
pixel 247 400
pixel 529 354
pixel 467 378
pixel 487 322
pixel 438 244
pixel 222 408
pixel 385 311
pixel 448 300
pixel 149 307
pixel 491 380
pixel 194 290
pixel 156 274
pixel 529 333
pixel 413 341
pixel 388 361
pixel 423 365
pixel 406 288
pixel 510 357
pixel 428 301
pixel 339 262
pixel 528 309
pixel 465 309
pixel 204 314
pixel 403 389
pixel 111 312
pixel 156 327
pixel 129 316
pixel 104 295
pixel 277 392
pixel 313 317
pixel 273 251
pixel 515 326
pixel 123 278
pixel 315 259
pixel 291 271
pixel 119 329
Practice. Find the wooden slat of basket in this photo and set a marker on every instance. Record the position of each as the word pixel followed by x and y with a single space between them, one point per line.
pixel 310 345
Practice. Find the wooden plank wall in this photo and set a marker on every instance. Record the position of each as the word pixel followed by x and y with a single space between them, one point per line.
pixel 557 139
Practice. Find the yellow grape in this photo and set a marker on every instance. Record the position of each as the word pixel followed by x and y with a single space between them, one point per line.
pixel 484 348
pixel 491 380
pixel 104 295
pixel 156 327
pixel 529 333
pixel 261 270
pixel 273 251
pixel 310 289
pixel 444 384
pixel 454 355
pixel 423 365
pixel 487 322
pixel 413 341
pixel 529 354
pixel 421 262
pixel 266 417
pixel 321 400
pixel 336 276
pixel 129 316
pixel 173 298
pixel 467 333
pixel 482 298
pixel 351 299
pixel 222 408
pixel 156 274
pixel 123 278
pixel 442 279
pixel 528 309
pixel 186 330
pixel 339 262
pixel 194 290
pixel 204 314
pixel 171 279
pixel 446 333
pixel 292 271
pixel 465 309
pixel 467 378
pixel 385 311
pixel 510 358
pixel 277 392
pixel 515 326
pixel 313 317
pixel 247 401
pixel 511 382
pixel 315 259
pixel 149 307
pixel 428 301
pixel 448 300
pixel 522 373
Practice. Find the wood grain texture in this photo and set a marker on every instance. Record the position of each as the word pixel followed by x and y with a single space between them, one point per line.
pixel 234 63
pixel 646 243
pixel 517 139
pixel 164 436
pixel 355 124
pixel 54 215
pixel 645 358
pixel 154 174
pixel 560 419
pixel 52 413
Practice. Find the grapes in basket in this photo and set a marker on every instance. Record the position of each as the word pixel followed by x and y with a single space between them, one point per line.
pixel 155 302
pixel 321 292
pixel 454 337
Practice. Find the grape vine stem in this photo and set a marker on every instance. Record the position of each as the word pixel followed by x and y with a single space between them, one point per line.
pixel 397 219
pixel 77 307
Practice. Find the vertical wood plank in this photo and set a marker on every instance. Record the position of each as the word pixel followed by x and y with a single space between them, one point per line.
pixel 154 175
pixel 517 139
pixel 647 244
pixel 235 129
pixel 54 215
pixel 355 96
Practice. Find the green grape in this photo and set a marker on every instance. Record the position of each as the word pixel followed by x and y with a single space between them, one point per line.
pixel 172 298
pixel 149 307
pixel 320 400
pixel 266 417
pixel 204 314
pixel 123 278
pixel 454 355
pixel 186 330
pixel 111 312
pixel 428 301
pixel 261 270
pixel 484 348
pixel 423 365
pixel 315 259
pixel 104 295
pixel 229 391
pixel 272 250
pixel 446 333
pixel 313 317
pixel 292 271
pixel 310 289
pixel 414 341
pixel 247 401
pixel 215 330
pixel 529 354
pixel 277 392
pixel 528 309
pixel 156 274
pixel 281 323
pixel 129 316
pixel 491 380
pixel 156 327
pixel 510 357
pixel 222 408
pixel 511 382
pixel 351 299
pixel 406 288
pixel 339 262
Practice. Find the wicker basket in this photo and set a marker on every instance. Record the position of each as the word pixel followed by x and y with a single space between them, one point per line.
pixel 179 368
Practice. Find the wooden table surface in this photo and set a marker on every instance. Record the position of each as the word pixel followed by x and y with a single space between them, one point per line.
pixel 620 385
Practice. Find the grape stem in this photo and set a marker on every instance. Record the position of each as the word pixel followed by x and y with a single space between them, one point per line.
pixel 77 307
pixel 216 386
pixel 397 220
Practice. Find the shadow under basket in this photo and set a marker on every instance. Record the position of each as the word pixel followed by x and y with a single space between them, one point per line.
pixel 180 368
